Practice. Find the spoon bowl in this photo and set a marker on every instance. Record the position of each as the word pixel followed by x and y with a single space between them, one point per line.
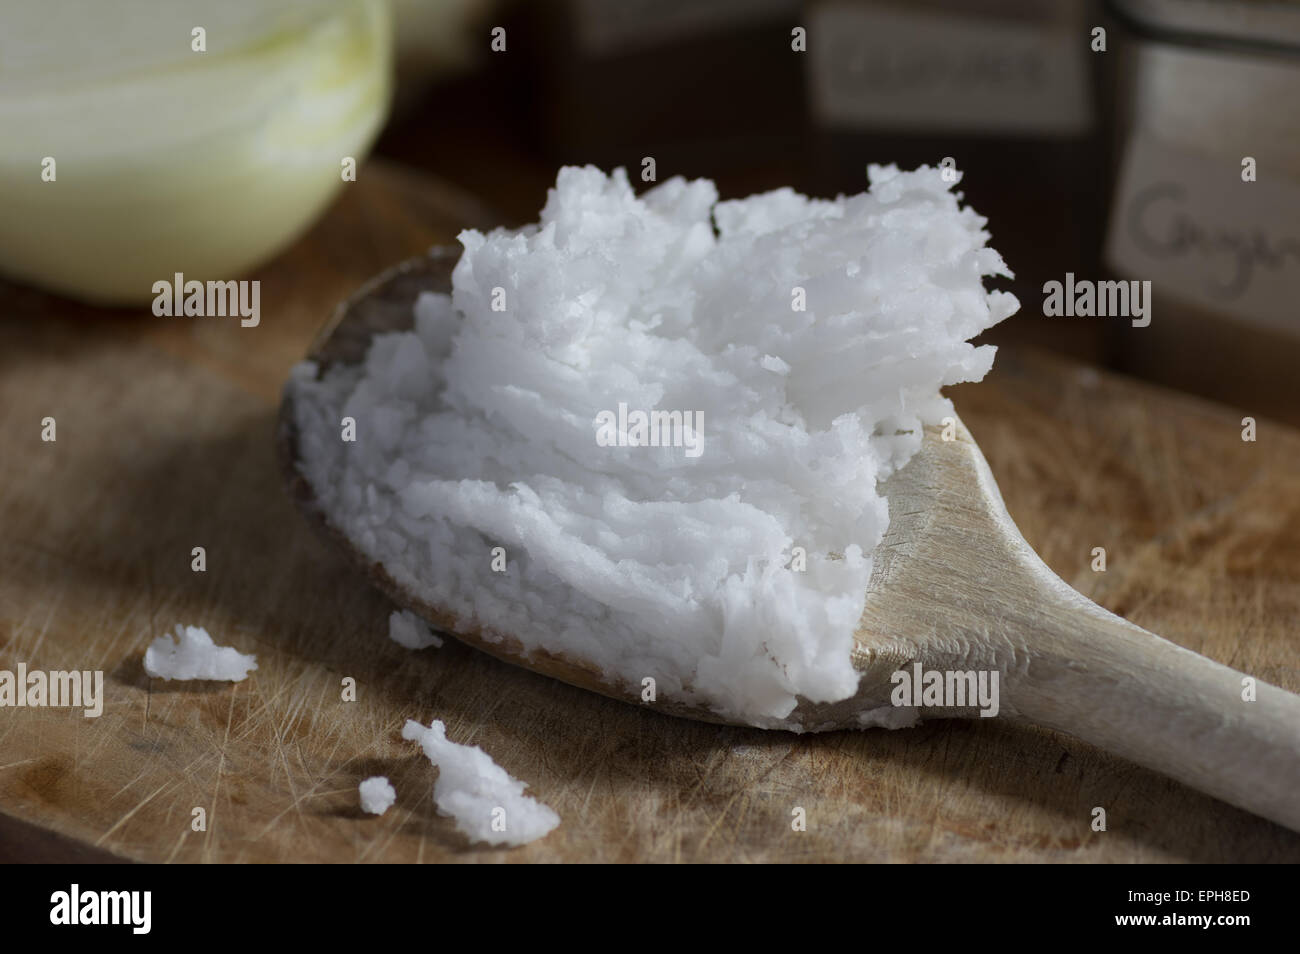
pixel 954 589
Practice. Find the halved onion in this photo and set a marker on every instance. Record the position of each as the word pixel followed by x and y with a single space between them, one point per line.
pixel 167 159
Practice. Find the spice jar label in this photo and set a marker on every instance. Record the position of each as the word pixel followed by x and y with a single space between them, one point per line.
pixel 1203 235
pixel 892 67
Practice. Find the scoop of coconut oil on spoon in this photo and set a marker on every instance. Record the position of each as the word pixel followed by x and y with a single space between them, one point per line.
pixel 955 589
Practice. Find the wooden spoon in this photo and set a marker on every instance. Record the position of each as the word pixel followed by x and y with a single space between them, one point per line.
pixel 955 587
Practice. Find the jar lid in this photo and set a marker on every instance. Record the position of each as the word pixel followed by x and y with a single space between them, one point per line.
pixel 1259 24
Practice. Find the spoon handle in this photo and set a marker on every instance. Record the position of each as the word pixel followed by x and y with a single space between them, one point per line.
pixel 1098 677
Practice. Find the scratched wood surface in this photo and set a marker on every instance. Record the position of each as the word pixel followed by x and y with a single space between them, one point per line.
pixel 165 442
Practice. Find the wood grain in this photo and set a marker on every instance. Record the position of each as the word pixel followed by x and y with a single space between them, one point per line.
pixel 165 442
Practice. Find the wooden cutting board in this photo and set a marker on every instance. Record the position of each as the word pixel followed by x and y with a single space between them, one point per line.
pixel 165 432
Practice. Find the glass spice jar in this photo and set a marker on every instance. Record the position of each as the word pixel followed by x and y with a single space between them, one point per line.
pixel 1206 203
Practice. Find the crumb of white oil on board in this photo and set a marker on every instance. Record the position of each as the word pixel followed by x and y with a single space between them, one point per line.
pixel 407 629
pixel 488 805
pixel 193 655
pixel 377 795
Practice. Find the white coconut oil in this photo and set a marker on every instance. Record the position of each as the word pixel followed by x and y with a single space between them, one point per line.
pixel 792 348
